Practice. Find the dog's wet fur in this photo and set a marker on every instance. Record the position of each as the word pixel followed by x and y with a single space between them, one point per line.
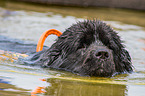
pixel 88 48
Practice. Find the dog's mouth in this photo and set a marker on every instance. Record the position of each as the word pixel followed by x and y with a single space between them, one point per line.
pixel 104 69
pixel 100 66
pixel 102 73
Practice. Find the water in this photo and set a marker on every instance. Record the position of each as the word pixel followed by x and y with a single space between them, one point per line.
pixel 24 23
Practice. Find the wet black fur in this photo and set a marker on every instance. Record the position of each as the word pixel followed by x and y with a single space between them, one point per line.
pixel 75 48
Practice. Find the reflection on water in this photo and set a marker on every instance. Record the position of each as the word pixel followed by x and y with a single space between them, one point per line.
pixel 25 27
pixel 67 88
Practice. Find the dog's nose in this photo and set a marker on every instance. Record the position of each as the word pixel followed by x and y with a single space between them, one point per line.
pixel 102 54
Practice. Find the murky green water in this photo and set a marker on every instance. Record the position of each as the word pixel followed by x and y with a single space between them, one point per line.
pixel 27 22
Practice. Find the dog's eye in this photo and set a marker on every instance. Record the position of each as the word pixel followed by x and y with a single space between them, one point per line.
pixel 81 46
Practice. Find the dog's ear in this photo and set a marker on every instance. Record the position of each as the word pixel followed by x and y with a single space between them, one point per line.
pixel 49 56
pixel 123 62
pixel 126 60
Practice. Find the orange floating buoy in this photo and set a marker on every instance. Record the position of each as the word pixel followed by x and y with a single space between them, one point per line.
pixel 44 36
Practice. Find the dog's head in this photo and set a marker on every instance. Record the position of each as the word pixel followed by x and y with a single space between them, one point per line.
pixel 88 48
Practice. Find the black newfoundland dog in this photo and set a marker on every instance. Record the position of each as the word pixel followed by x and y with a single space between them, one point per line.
pixel 89 48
